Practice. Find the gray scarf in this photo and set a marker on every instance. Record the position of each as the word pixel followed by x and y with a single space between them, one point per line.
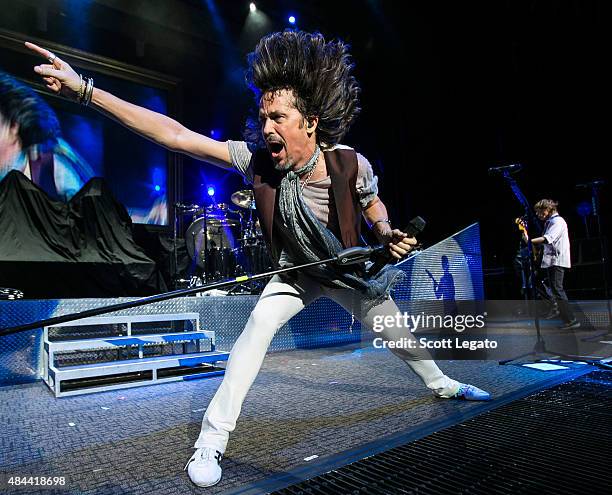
pixel 309 240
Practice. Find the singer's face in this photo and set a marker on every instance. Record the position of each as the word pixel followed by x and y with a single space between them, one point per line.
pixel 285 130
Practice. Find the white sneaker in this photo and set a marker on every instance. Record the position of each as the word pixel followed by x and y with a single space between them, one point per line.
pixel 203 467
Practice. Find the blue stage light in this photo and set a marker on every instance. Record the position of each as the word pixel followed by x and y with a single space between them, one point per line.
pixel 158 179
pixel 211 190
pixel 584 209
pixel 292 19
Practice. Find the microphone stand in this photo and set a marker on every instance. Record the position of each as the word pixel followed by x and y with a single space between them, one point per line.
pixel 540 346
pixel 604 258
pixel 595 185
pixel 346 257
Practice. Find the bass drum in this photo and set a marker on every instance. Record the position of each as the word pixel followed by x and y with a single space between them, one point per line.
pixel 255 258
pixel 216 256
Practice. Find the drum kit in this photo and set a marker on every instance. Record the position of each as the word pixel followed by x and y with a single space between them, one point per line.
pixel 225 242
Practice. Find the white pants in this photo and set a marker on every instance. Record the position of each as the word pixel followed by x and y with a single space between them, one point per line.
pixel 283 298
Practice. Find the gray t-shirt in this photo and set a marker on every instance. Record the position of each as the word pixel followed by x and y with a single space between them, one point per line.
pixel 316 193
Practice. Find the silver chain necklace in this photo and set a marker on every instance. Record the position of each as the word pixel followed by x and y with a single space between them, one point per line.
pixel 312 165
pixel 303 184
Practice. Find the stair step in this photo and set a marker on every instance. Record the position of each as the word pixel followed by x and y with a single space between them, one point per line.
pixel 112 342
pixel 143 318
pixel 105 383
pixel 127 366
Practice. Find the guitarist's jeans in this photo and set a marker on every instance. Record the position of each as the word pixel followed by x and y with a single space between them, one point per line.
pixel 555 276
pixel 282 298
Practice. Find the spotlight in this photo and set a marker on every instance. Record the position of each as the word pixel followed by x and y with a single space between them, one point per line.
pixel 211 190
pixel 158 178
pixel 291 19
pixel 252 7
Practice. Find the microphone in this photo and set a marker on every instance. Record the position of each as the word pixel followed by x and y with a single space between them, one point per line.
pixel 380 254
pixel 514 167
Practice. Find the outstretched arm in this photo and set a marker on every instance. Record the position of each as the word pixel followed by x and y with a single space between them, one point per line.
pixel 61 78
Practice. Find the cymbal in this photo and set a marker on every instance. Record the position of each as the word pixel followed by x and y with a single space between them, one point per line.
pixel 244 199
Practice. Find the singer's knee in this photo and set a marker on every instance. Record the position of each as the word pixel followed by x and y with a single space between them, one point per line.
pixel 262 326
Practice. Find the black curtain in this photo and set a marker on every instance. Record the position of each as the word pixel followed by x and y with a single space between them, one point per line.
pixel 84 248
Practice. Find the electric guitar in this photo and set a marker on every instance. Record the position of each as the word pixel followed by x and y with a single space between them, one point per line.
pixel 536 250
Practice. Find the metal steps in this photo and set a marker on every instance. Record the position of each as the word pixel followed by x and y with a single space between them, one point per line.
pixel 128 340
pixel 119 361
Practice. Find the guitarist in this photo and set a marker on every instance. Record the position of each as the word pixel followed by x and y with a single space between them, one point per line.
pixel 540 276
pixel 556 256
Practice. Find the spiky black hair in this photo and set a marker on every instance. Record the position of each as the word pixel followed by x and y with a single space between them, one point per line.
pixel 318 72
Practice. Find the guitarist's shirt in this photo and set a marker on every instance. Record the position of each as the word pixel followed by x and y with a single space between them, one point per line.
pixel 557 246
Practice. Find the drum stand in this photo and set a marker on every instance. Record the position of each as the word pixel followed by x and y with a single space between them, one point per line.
pixel 248 234
pixel 205 235
pixel 184 210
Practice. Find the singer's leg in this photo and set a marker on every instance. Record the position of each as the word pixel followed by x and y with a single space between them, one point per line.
pixel 282 298
pixel 419 360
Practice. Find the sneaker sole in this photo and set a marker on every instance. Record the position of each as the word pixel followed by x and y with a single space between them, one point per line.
pixel 207 485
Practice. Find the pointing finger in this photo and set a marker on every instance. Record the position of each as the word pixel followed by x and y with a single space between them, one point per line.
pixel 38 49
pixel 43 52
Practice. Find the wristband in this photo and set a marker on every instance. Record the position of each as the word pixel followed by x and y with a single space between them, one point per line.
pixel 386 220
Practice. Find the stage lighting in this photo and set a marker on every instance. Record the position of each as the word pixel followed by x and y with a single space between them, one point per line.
pixel 211 190
pixel 158 179
pixel 252 7
pixel 584 209
pixel 291 19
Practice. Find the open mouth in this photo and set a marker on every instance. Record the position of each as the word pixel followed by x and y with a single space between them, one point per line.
pixel 275 147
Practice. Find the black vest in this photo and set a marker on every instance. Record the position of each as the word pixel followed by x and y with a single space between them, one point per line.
pixel 342 168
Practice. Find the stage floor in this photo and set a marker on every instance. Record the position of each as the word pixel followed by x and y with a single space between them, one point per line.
pixel 305 403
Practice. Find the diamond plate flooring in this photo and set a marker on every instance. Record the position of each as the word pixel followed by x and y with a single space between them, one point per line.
pixel 304 403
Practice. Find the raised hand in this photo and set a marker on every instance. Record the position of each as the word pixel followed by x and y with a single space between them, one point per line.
pixel 58 76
